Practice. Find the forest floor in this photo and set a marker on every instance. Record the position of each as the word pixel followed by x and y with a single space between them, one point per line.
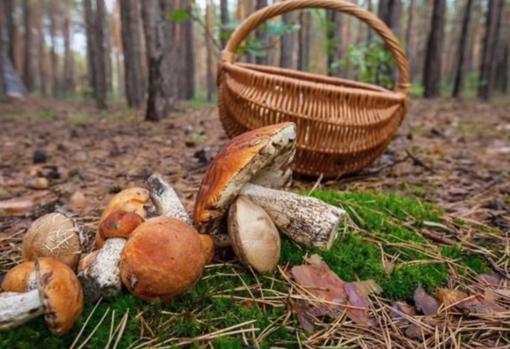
pixel 433 211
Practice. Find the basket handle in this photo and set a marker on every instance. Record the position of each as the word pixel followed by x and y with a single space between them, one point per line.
pixel 228 55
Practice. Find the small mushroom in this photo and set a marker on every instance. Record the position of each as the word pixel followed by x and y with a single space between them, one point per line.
pixel 162 259
pixel 58 296
pixel 254 237
pixel 16 279
pixel 99 270
pixel 251 164
pixel 53 235
pixel 131 200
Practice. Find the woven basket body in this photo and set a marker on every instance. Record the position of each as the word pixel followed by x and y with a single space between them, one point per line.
pixel 342 125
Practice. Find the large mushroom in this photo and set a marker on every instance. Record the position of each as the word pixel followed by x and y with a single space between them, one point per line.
pixel 53 235
pixel 99 271
pixel 53 290
pixel 165 256
pixel 256 164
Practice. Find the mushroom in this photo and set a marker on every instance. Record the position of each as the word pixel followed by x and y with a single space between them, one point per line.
pixel 16 279
pixel 53 235
pixel 162 259
pixel 255 164
pixel 128 200
pixel 57 295
pixel 254 237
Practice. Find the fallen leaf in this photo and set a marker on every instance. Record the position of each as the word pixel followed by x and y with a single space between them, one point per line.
pixel 359 314
pixel 304 315
pixel 425 303
pixel 474 304
pixel 21 205
pixel 400 308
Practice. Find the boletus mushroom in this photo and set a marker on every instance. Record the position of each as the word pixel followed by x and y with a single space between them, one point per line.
pixel 53 235
pixel 57 294
pixel 256 164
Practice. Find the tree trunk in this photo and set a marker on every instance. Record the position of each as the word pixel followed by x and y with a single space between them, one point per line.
pixel 2 20
pixel 41 52
pixel 10 25
pixel 132 47
pixel 89 15
pixel 289 43
pixel 210 50
pixel 108 54
pixel 158 104
pixel 462 50
pixel 68 53
pixel 101 83
pixel 261 35
pixel 224 20
pixel 304 41
pixel 433 58
pixel 410 40
pixel 53 14
pixel 489 52
pixel 390 11
pixel 188 38
pixel 334 41
pixel 28 69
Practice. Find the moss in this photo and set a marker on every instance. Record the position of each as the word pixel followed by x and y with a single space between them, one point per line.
pixel 354 256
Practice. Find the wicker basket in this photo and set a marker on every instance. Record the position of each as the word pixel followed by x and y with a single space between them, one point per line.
pixel 342 125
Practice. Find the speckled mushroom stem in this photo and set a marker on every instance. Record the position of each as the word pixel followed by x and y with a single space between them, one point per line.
pixel 99 272
pixel 166 200
pixel 304 219
pixel 18 308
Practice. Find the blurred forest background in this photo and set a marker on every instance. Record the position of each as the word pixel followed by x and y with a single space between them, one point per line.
pixel 155 53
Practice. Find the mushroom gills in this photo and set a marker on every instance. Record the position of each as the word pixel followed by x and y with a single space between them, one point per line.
pixel 304 219
pixel 18 308
pixel 100 277
pixel 254 236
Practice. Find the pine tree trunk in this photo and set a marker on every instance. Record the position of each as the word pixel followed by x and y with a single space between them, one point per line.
pixel 410 41
pixel 68 53
pixel 433 58
pixel 101 79
pixel 209 50
pixel 490 48
pixel 28 70
pixel 10 26
pixel 2 21
pixel 462 50
pixel 89 16
pixel 261 35
pixel 132 47
pixel 188 38
pixel 108 55
pixel 224 20
pixel 158 103
pixel 289 43
pixel 390 11
pixel 53 14
pixel 304 41
pixel 334 41
pixel 41 52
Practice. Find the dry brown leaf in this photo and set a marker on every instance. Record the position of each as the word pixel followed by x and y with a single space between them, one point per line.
pixel 22 205
pixel 425 303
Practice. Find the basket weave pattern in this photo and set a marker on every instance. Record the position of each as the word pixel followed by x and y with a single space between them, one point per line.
pixel 342 125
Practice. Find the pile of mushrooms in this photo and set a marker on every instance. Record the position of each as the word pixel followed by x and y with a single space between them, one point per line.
pixel 241 193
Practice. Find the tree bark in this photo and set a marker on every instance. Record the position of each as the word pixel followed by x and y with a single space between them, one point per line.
pixel 433 58
pixel 410 41
pixel 158 103
pixel 224 19
pixel 68 53
pixel 261 35
pixel 304 41
pixel 28 69
pixel 41 52
pixel 10 25
pixel 210 50
pixel 101 83
pixel 53 13
pixel 2 49
pixel 188 38
pixel 462 50
pixel 289 43
pixel 390 11
pixel 132 47
pixel 334 41
pixel 89 16
pixel 489 53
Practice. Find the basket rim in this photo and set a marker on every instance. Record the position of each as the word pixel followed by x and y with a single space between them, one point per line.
pixel 361 89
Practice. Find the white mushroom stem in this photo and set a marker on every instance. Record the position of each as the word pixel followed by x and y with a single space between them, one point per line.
pixel 18 308
pixel 166 200
pixel 304 219
pixel 100 277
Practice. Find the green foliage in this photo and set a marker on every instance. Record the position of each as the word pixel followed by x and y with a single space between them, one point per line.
pixel 178 15
pixel 371 61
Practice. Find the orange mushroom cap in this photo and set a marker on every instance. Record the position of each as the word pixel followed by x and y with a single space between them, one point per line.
pixel 118 224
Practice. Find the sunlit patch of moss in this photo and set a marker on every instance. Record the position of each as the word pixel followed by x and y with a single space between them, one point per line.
pixel 468 261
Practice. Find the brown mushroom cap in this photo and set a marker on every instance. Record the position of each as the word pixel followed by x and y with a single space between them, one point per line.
pixel 61 294
pixel 118 224
pixel 207 247
pixel 129 200
pixel 262 156
pixel 53 235
pixel 162 259
pixel 16 279
pixel 254 236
